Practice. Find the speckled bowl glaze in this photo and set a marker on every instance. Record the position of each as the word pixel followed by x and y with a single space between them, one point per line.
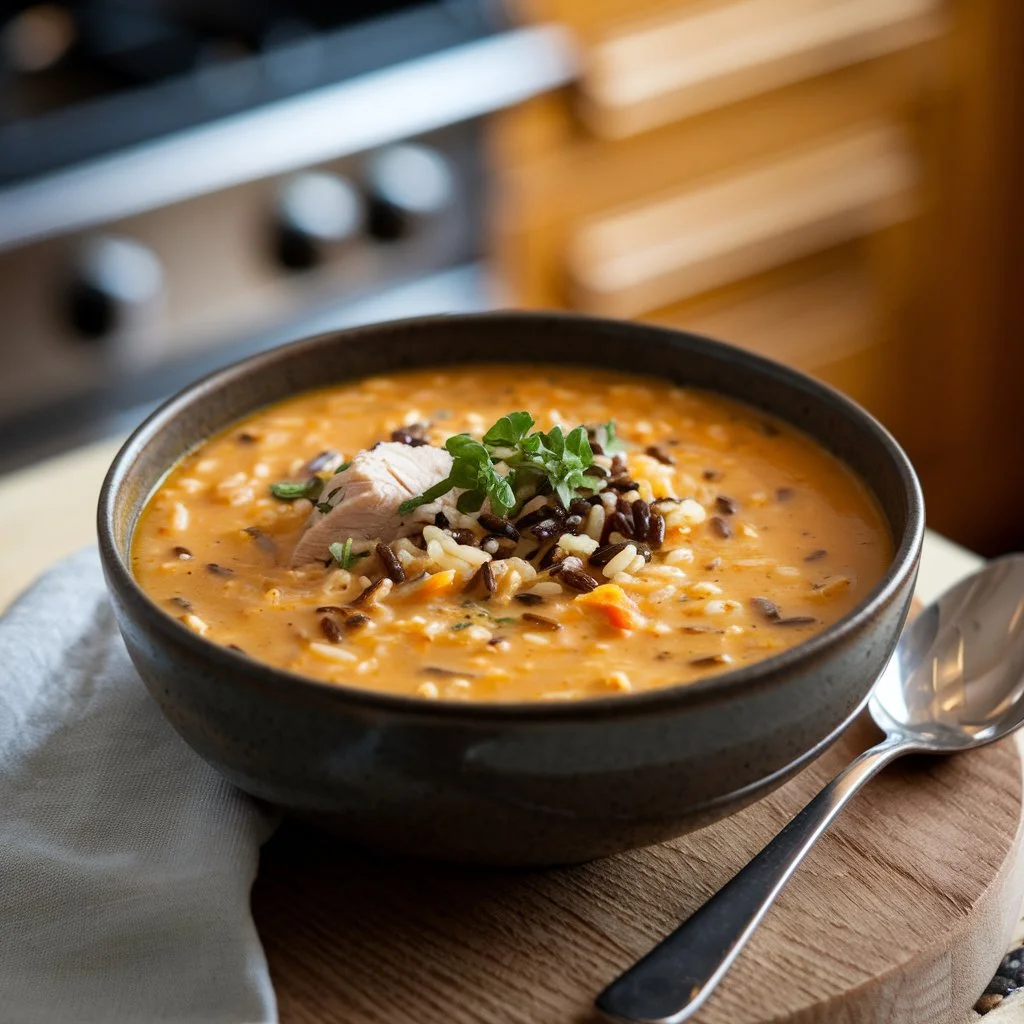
pixel 513 784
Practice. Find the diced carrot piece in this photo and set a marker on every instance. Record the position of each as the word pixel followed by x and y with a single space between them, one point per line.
pixel 438 583
pixel 615 604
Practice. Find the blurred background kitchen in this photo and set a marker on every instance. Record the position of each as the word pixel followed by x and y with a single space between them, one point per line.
pixel 829 182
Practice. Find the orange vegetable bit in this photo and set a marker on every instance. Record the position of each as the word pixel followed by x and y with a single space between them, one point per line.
pixel 615 604
pixel 439 583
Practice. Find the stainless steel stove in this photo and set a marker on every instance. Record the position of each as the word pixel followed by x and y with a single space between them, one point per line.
pixel 185 182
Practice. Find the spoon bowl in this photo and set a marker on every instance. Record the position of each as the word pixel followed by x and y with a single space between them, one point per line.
pixel 956 679
pixel 955 682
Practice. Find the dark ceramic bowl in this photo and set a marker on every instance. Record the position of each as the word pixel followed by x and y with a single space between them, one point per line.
pixel 517 784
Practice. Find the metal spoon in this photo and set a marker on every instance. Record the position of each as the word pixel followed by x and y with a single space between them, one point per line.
pixel 955 682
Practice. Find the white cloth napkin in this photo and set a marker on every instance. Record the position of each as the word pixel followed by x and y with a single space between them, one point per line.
pixel 125 860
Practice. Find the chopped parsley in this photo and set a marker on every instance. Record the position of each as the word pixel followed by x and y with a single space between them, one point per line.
pixel 460 626
pixel 343 554
pixel 603 434
pixel 529 460
pixel 292 490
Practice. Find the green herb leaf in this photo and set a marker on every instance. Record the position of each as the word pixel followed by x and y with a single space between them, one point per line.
pixel 292 490
pixel 528 461
pixel 460 626
pixel 605 436
pixel 342 554
pixel 509 430
pixel 343 467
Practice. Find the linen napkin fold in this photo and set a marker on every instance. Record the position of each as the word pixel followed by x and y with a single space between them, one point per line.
pixel 125 860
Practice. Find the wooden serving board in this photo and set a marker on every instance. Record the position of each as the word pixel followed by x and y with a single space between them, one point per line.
pixel 900 914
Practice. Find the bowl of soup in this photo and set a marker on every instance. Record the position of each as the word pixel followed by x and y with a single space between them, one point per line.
pixel 511 588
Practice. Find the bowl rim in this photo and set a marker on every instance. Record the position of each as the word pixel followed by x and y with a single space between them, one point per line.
pixel 716 687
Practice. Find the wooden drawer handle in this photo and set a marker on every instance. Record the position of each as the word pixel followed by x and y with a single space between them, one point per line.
pixel 688 60
pixel 636 260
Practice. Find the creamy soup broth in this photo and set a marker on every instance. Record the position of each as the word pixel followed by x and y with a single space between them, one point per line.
pixel 764 540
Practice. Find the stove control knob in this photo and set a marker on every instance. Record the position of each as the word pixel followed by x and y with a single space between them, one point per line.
pixel 317 213
pixel 409 186
pixel 115 281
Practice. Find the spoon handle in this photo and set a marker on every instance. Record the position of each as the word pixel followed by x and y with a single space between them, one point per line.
pixel 672 981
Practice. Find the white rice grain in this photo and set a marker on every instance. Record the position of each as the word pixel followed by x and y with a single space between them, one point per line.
pixel 679 556
pixel 549 588
pixel 621 561
pixel 180 517
pixel 329 652
pixel 583 545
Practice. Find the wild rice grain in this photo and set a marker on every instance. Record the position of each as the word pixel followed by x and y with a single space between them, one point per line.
pixel 464 536
pixel 182 553
pixel 720 526
pixel 655 536
pixel 487 578
pixel 538 515
pixel 371 591
pixel 266 544
pixel 766 608
pixel 618 523
pixel 530 599
pixel 660 455
pixel 496 525
pixel 814 556
pixel 392 566
pixel 356 621
pixel 182 602
pixel 412 435
pixel 603 555
pixel 796 620
pixel 219 570
pixel 641 518
pixel 784 494
pixel 711 475
pixel 330 629
pixel 727 506
pixel 542 620
pixel 546 529
pixel 622 484
pixel 711 660
pixel 578 581
pixel 323 460
pixel 441 521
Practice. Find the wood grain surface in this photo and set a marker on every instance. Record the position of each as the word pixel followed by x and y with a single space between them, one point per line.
pixel 899 915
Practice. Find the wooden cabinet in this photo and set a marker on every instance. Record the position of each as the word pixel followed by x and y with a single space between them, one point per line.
pixel 782 174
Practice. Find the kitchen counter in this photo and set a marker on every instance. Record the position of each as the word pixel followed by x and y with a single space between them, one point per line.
pixel 49 510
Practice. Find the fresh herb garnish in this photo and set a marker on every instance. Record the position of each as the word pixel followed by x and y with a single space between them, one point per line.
pixel 343 467
pixel 459 626
pixel 603 434
pixel 342 554
pixel 292 490
pixel 529 460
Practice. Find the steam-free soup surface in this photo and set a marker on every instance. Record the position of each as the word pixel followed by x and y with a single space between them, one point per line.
pixel 716 537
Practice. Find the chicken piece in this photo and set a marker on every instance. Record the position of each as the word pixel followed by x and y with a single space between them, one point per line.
pixel 364 499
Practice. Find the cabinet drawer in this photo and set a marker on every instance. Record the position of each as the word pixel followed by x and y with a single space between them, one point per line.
pixel 691 58
pixel 826 317
pixel 670 248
